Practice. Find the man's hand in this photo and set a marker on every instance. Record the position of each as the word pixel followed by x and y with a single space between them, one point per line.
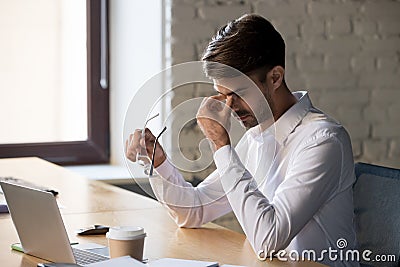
pixel 213 118
pixel 136 144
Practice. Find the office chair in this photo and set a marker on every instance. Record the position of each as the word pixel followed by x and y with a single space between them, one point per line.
pixel 377 212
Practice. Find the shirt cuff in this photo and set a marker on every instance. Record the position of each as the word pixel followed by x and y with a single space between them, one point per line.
pixel 223 158
pixel 166 169
pixel 229 167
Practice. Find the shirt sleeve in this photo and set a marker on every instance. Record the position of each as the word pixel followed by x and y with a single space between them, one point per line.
pixel 312 178
pixel 189 206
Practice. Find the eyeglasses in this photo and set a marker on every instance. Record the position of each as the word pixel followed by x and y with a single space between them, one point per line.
pixel 142 158
pixel 154 151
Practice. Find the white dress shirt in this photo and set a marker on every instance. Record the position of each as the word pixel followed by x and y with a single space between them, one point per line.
pixel 290 186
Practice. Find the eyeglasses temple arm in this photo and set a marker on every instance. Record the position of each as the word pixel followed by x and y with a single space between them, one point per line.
pixel 154 151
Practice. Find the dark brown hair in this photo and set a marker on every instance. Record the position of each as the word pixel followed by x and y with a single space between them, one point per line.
pixel 245 44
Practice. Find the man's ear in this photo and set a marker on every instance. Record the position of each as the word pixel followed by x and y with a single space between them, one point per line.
pixel 278 74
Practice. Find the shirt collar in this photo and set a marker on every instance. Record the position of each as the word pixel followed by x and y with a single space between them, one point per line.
pixel 292 117
pixel 288 121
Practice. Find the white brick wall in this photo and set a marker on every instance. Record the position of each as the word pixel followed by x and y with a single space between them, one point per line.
pixel 345 53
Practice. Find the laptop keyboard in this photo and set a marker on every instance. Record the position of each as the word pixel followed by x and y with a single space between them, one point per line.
pixel 84 257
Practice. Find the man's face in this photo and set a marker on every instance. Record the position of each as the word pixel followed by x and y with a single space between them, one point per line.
pixel 250 98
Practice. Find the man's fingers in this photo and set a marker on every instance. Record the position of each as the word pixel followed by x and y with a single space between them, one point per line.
pixel 149 136
pixel 228 104
pixel 218 97
pixel 132 145
pixel 225 108
pixel 211 104
pixel 148 140
pixel 217 102
pixel 136 138
pixel 129 151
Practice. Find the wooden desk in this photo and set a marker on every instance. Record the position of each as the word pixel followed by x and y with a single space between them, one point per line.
pixel 89 202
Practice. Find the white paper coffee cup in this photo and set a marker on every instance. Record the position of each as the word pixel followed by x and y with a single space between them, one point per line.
pixel 126 240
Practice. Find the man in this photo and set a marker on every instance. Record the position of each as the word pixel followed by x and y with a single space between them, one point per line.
pixel 289 183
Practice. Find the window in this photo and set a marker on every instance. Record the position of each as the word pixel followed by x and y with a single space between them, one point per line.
pixel 54 99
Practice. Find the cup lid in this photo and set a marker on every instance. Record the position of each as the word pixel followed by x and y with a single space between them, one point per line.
pixel 125 232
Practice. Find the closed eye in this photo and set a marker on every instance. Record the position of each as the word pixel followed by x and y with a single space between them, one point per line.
pixel 238 92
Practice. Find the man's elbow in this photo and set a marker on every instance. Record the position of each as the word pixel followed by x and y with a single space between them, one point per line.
pixel 272 243
pixel 189 225
pixel 185 220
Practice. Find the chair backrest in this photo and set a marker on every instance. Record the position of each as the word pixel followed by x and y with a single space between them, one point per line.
pixel 377 212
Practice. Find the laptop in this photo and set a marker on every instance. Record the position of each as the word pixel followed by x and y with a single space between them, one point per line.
pixel 40 227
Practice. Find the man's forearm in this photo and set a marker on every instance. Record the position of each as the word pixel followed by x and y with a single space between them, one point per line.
pixel 189 206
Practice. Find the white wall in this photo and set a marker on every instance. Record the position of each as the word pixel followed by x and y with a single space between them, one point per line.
pixel 136 54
